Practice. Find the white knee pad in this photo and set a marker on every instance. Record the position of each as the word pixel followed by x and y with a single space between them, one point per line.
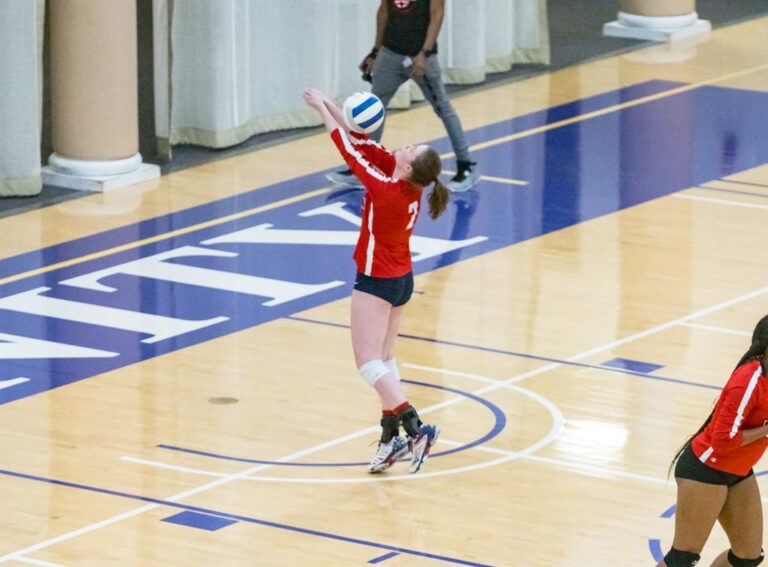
pixel 372 370
pixel 391 365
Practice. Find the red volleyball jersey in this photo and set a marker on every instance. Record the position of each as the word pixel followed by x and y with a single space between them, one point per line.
pixel 390 207
pixel 743 404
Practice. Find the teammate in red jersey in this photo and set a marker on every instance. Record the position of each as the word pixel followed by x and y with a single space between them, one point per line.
pixel 714 475
pixel 393 185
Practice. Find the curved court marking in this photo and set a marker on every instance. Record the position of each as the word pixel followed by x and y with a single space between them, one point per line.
pixel 499 425
pixel 558 422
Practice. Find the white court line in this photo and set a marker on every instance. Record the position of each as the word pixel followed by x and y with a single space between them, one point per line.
pixel 40 562
pixel 678 321
pixel 578 467
pixel 505 180
pixel 176 468
pixel 717 329
pixel 583 467
pixel 721 201
pixel 252 470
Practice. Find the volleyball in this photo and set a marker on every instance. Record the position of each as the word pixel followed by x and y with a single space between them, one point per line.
pixel 363 112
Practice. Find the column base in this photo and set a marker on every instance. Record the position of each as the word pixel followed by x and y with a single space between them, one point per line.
pixel 100 183
pixel 648 32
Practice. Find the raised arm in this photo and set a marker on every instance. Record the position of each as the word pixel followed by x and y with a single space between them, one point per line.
pixel 328 111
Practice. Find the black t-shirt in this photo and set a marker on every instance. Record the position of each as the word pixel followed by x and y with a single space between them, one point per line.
pixel 407 25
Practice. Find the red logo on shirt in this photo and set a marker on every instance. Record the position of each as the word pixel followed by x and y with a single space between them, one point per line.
pixel 405 5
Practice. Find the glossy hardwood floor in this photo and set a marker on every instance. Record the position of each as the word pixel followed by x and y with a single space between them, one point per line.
pixel 565 357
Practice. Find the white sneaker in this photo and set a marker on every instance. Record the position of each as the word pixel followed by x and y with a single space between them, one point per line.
pixel 344 177
pixel 388 453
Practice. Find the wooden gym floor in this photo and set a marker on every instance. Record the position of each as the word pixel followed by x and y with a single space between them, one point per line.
pixel 179 387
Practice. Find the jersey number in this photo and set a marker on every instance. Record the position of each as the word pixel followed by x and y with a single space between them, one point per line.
pixel 413 208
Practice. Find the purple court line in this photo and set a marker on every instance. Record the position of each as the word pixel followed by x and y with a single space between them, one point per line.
pixel 248 519
pixel 524 355
pixel 384 557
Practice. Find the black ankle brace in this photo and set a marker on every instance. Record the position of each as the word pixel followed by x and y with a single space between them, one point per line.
pixel 390 427
pixel 677 558
pixel 737 561
pixel 410 421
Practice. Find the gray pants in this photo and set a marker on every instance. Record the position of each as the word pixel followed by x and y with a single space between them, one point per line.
pixel 389 73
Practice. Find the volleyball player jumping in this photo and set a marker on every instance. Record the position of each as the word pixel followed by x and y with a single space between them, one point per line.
pixel 393 184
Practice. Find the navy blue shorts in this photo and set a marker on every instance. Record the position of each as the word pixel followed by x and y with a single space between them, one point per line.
pixel 396 291
pixel 689 466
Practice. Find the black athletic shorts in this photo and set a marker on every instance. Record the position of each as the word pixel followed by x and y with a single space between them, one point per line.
pixel 396 291
pixel 689 466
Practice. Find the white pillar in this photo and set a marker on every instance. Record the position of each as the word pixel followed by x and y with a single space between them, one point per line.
pixel 657 20
pixel 94 96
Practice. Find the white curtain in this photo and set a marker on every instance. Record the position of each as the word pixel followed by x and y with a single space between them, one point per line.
pixel 238 67
pixel 21 45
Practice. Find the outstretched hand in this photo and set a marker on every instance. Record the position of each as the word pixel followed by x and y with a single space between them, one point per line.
pixel 314 98
pixel 329 112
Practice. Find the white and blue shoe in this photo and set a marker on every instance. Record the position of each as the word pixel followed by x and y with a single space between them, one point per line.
pixel 422 444
pixel 389 453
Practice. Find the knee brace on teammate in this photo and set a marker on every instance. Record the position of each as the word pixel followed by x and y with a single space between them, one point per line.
pixel 372 370
pixel 677 558
pixel 737 561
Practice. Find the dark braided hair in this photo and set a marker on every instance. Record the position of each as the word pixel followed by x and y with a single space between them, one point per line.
pixel 756 351
pixel 425 169
pixel 759 344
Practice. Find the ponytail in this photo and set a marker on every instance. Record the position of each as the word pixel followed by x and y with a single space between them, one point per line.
pixel 438 199
pixel 425 169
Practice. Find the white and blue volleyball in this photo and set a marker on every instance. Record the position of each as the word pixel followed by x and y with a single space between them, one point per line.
pixel 363 112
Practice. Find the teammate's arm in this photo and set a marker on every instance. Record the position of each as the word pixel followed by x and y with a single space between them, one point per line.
pixel 726 433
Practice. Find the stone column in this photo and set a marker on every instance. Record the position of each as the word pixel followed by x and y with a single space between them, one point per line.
pixel 94 96
pixel 657 20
